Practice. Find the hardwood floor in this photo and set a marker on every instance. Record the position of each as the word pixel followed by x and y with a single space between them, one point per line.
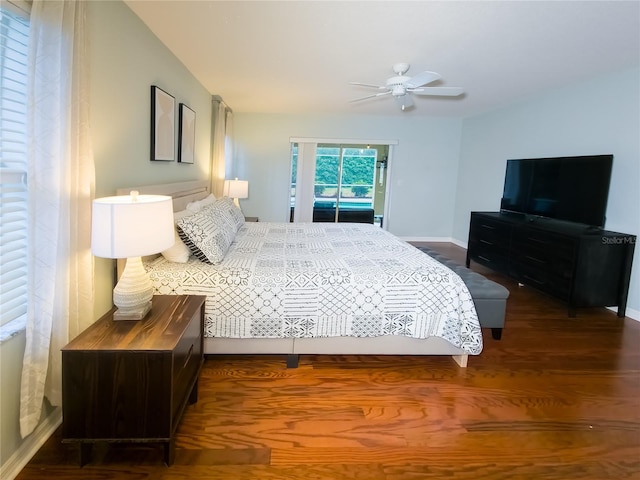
pixel 556 398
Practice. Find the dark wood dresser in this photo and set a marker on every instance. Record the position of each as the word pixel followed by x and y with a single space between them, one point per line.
pixel 585 267
pixel 130 381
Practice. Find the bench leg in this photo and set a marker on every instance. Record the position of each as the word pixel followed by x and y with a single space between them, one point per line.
pixel 496 333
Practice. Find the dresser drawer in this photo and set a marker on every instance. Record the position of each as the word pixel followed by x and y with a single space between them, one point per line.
pixel 547 243
pixel 489 241
pixel 490 255
pixel 547 259
pixel 490 232
pixel 544 250
pixel 543 279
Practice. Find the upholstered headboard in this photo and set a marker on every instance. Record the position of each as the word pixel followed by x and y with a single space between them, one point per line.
pixel 181 192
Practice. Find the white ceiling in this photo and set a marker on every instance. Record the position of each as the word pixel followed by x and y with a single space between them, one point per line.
pixel 299 56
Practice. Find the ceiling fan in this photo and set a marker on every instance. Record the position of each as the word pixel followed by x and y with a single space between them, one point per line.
pixel 400 86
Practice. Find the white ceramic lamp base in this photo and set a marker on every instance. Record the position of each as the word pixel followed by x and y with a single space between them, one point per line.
pixel 237 204
pixel 133 293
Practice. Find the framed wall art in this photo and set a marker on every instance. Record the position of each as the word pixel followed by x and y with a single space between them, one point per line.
pixel 186 134
pixel 162 125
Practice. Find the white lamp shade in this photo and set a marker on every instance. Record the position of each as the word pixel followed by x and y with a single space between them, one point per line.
pixel 236 188
pixel 131 225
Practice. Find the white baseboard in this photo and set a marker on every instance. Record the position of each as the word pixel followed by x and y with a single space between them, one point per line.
pixel 30 446
pixel 629 312
pixel 459 243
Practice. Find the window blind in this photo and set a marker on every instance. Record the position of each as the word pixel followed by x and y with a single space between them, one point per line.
pixel 14 38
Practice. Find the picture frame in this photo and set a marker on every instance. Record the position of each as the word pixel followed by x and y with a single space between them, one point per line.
pixel 186 134
pixel 163 143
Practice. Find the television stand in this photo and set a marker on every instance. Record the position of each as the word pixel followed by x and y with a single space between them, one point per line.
pixel 582 266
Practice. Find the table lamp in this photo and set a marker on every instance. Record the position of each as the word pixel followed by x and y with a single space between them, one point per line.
pixel 236 189
pixel 131 226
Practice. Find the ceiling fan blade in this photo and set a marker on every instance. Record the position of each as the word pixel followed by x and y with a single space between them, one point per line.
pixel 422 79
pixel 404 101
pixel 370 96
pixel 366 85
pixel 440 91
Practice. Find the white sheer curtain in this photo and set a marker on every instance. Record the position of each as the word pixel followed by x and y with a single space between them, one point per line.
pixel 228 145
pixel 61 185
pixel 305 182
pixel 222 148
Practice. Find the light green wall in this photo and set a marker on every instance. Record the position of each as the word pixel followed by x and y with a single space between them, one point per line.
pixel 601 115
pixel 125 60
pixel 423 166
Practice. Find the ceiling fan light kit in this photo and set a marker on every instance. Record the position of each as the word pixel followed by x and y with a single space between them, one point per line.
pixel 401 85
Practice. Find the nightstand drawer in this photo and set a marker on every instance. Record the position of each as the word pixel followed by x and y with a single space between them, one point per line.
pixel 187 359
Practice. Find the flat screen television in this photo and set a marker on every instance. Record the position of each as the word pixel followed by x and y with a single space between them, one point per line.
pixel 573 189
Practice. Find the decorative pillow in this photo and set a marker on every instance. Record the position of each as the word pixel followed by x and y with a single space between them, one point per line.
pixel 207 235
pixel 224 211
pixel 237 217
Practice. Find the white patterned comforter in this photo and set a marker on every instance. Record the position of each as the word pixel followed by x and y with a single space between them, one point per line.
pixel 305 280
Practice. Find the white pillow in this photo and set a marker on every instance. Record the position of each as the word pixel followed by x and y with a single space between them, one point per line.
pixel 181 214
pixel 178 252
pixel 197 205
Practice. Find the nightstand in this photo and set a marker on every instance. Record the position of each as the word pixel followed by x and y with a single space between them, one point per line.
pixel 130 381
pixel 251 219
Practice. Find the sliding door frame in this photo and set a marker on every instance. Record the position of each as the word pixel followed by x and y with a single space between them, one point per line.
pixel 303 211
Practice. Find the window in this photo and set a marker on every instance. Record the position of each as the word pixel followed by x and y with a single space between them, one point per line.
pixel 14 37
pixel 345 174
pixel 340 171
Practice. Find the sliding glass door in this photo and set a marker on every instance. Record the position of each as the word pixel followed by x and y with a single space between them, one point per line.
pixel 344 180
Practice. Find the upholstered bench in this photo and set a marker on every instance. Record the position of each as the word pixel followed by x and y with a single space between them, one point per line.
pixel 489 297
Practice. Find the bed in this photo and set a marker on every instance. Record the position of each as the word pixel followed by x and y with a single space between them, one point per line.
pixel 317 288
